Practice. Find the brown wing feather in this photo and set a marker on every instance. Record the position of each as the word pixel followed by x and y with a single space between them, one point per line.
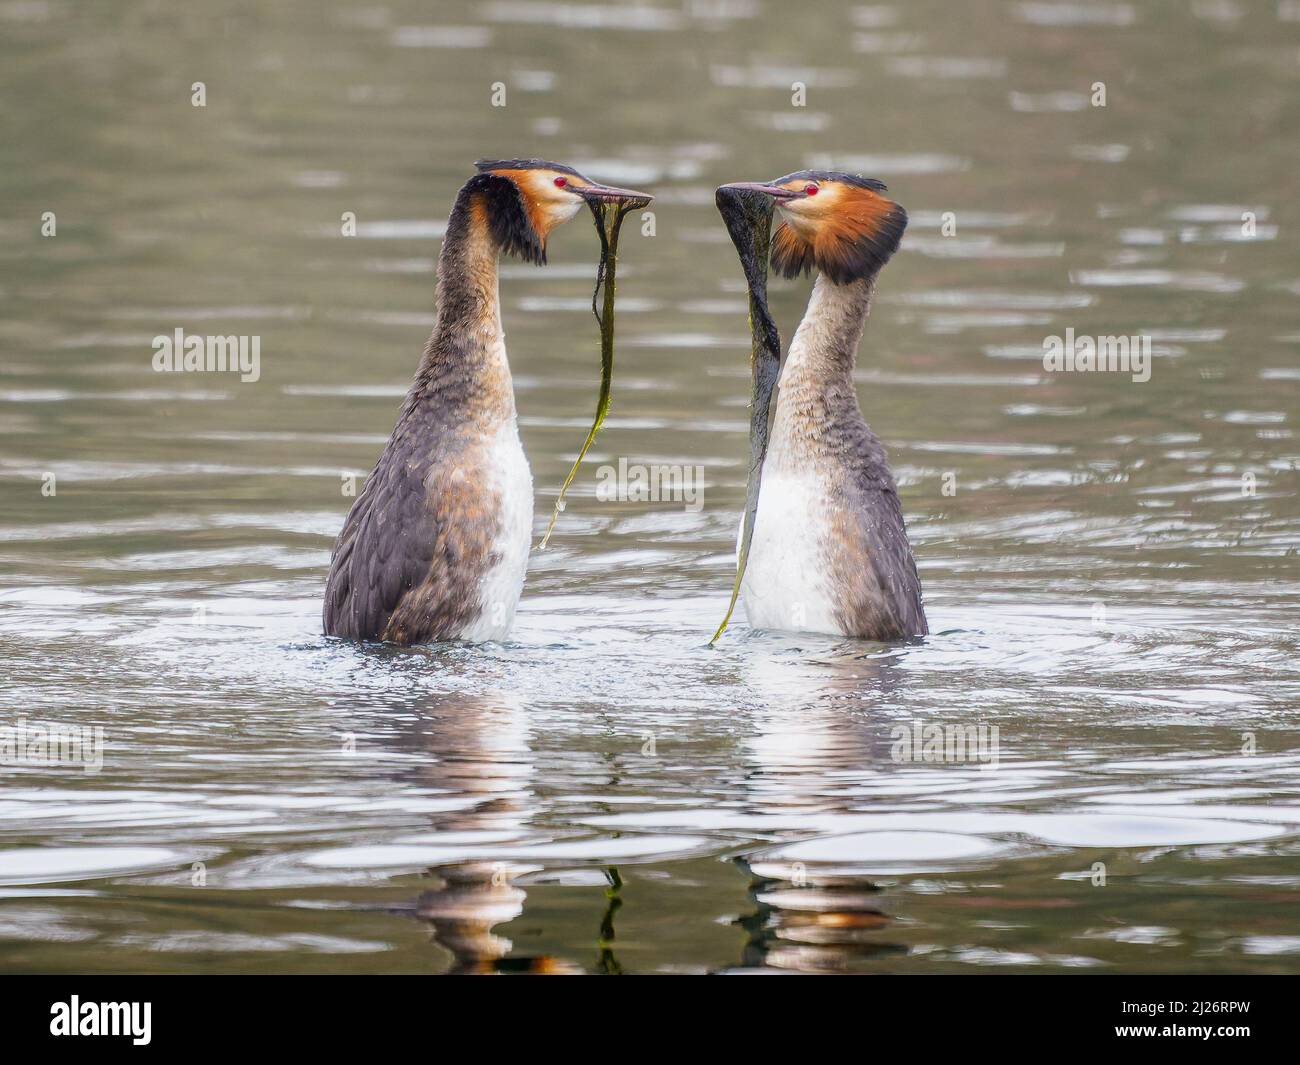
pixel 407 564
pixel 876 568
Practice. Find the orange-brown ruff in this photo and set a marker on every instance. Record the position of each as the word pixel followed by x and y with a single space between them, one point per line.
pixel 436 546
pixel 830 551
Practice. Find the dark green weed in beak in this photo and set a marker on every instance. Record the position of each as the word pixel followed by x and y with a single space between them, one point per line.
pixel 747 214
pixel 609 215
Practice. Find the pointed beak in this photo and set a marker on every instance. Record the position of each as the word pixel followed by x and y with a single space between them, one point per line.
pixel 775 191
pixel 603 193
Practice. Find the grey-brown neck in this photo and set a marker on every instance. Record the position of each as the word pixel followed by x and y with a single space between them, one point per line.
pixel 464 371
pixel 817 409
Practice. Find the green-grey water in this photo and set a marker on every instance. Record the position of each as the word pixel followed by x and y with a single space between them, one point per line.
pixel 1109 566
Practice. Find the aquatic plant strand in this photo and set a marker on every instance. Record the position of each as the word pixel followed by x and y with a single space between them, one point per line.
pixel 748 217
pixel 609 217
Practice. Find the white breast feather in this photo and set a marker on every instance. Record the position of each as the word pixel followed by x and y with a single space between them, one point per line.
pixel 501 587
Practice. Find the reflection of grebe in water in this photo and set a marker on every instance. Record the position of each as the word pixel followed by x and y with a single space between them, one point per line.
pixel 809 738
pixel 474 898
pixel 826 928
pixel 474 752
pixel 817 722
pixel 481 750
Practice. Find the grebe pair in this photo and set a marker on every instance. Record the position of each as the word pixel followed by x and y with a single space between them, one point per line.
pixel 436 546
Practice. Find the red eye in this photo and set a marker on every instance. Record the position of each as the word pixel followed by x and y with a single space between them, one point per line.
pixel 810 190
pixel 560 182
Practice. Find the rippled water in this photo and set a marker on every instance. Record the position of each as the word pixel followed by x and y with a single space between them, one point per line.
pixel 604 793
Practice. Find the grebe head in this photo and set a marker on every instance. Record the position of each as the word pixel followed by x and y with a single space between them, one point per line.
pixel 526 198
pixel 842 224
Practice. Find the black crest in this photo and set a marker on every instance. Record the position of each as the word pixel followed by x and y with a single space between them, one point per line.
pixel 834 175
pixel 487 165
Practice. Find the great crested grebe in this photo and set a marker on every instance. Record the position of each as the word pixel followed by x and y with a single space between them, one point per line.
pixel 436 546
pixel 830 551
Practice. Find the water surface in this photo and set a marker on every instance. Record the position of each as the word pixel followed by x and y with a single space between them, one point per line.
pixel 605 793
